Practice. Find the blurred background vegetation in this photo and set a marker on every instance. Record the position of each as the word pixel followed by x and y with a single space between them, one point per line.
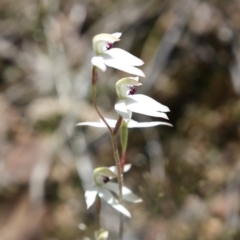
pixel 188 175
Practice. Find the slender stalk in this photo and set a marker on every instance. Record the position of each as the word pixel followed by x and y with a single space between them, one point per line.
pixel 120 174
pixel 121 227
pixel 113 134
pixel 118 124
pixel 94 100
pixel 98 210
pixel 118 165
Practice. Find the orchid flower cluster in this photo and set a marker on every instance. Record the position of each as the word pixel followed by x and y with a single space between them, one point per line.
pixel 129 102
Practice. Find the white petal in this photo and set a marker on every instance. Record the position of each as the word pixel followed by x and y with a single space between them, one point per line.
pixel 146 101
pixel 122 110
pixel 125 169
pixel 100 124
pixel 119 207
pixel 135 124
pixel 111 122
pixel 107 196
pixel 128 195
pixel 90 196
pixel 98 62
pixel 137 105
pixel 92 124
pixel 123 56
pixel 111 200
pixel 131 124
pixel 149 112
pixel 117 35
pixel 111 62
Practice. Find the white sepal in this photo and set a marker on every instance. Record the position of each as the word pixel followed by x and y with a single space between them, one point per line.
pixel 99 62
pixel 115 63
pixel 135 124
pixel 124 56
pixel 111 200
pixel 147 102
pixel 128 195
pixel 92 124
pixel 122 110
pixel 130 124
pixel 148 112
pixel 125 168
pixel 100 124
pixel 90 196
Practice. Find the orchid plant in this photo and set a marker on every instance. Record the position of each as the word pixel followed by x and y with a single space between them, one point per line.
pixel 115 193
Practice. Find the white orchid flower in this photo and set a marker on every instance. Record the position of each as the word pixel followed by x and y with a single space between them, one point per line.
pixel 130 102
pixel 114 57
pixel 130 124
pixel 104 188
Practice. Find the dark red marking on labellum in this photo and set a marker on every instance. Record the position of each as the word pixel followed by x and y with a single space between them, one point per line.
pixel 106 179
pixel 132 90
pixel 109 45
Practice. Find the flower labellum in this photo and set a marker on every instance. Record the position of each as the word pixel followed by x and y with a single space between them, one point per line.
pixel 117 58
